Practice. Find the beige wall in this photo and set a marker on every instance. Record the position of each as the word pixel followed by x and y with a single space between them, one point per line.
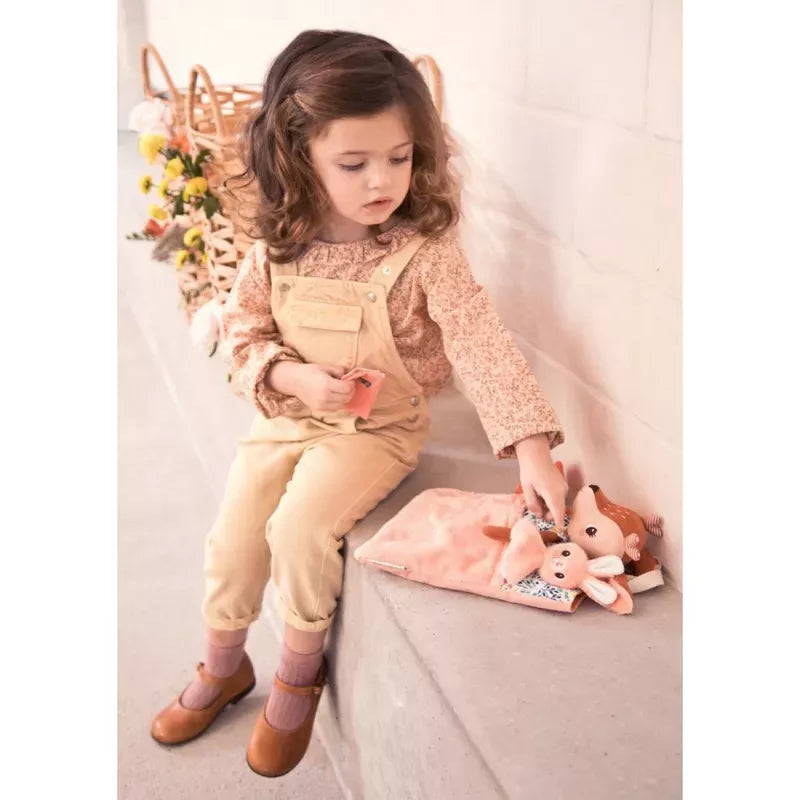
pixel 569 117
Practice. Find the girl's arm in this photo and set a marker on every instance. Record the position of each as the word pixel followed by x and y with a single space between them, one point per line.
pixel 251 340
pixel 516 416
pixel 496 376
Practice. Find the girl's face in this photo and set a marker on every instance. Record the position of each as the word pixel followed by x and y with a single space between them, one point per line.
pixel 360 160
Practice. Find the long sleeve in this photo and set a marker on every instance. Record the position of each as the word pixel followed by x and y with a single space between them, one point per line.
pixel 497 378
pixel 251 340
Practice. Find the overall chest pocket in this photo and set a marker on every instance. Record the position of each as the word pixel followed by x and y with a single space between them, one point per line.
pixel 322 333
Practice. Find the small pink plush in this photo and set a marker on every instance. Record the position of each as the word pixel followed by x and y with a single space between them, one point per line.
pixel 565 565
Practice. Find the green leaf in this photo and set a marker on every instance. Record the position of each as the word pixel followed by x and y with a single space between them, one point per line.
pixel 179 206
pixel 210 205
pixel 203 156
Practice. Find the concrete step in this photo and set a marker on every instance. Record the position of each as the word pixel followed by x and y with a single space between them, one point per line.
pixel 440 694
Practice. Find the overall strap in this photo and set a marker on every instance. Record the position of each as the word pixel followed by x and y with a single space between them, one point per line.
pixel 392 266
pixel 282 270
pixel 275 270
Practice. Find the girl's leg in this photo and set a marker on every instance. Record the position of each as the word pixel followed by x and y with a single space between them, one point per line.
pixel 236 571
pixel 301 658
pixel 224 651
pixel 335 483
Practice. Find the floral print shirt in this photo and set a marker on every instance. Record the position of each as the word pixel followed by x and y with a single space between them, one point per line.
pixel 441 319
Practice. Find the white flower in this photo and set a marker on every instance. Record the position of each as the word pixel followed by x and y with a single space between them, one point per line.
pixel 152 116
pixel 206 326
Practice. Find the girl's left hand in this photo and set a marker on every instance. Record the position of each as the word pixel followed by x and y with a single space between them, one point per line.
pixel 543 486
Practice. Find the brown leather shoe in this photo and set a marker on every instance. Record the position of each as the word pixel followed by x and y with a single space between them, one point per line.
pixel 177 724
pixel 273 753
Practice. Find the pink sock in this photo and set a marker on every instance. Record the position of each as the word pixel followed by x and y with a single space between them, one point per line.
pixel 222 660
pixel 287 711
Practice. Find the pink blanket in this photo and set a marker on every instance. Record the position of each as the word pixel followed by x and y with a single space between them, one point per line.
pixel 438 539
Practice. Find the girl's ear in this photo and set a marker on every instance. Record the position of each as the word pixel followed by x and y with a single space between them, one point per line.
pixel 606 566
pixel 599 591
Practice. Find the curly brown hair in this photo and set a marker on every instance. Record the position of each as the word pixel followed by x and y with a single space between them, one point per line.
pixel 320 77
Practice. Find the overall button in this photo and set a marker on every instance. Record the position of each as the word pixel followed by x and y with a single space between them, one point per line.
pixel 414 401
pixel 372 297
pixel 284 287
pixel 386 270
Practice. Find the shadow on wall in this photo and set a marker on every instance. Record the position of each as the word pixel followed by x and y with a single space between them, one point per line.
pixel 509 249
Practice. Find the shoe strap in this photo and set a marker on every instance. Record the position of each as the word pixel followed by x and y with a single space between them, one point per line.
pixel 206 677
pixel 315 688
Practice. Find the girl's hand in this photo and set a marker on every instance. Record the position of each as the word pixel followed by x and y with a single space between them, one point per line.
pixel 543 486
pixel 317 385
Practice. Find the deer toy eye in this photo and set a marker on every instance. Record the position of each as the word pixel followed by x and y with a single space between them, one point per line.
pixel 559 575
pixel 591 531
pixel 566 553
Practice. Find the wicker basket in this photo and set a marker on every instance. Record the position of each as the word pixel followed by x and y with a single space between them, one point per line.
pixel 215 125
pixel 194 280
pixel 175 97
pixel 433 77
pixel 195 288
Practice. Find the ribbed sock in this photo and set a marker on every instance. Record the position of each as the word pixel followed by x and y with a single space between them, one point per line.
pixel 221 662
pixel 286 711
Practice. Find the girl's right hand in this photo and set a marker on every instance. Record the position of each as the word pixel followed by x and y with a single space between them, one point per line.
pixel 316 385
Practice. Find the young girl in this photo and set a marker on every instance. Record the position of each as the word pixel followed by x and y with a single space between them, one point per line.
pixel 357 264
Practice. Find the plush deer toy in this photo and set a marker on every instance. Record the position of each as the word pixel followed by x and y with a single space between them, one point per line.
pixel 601 528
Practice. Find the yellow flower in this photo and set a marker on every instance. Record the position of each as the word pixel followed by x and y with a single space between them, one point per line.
pixel 174 168
pixel 196 187
pixel 150 144
pixel 157 213
pixel 204 258
pixel 162 189
pixel 192 236
pixel 145 183
pixel 181 258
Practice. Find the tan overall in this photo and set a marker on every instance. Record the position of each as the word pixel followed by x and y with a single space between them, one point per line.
pixel 300 482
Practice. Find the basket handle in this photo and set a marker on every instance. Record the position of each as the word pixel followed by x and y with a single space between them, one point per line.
pixel 434 78
pixel 149 49
pixel 196 70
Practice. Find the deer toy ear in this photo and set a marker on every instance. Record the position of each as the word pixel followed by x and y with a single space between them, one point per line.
pixel 599 591
pixel 632 546
pixel 606 566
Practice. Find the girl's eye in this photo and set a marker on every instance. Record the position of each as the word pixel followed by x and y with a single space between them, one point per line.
pixel 357 167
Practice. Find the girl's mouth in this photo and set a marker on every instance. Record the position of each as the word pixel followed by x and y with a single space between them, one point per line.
pixel 378 205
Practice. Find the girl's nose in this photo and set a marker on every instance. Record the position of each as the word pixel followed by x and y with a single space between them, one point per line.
pixel 378 178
